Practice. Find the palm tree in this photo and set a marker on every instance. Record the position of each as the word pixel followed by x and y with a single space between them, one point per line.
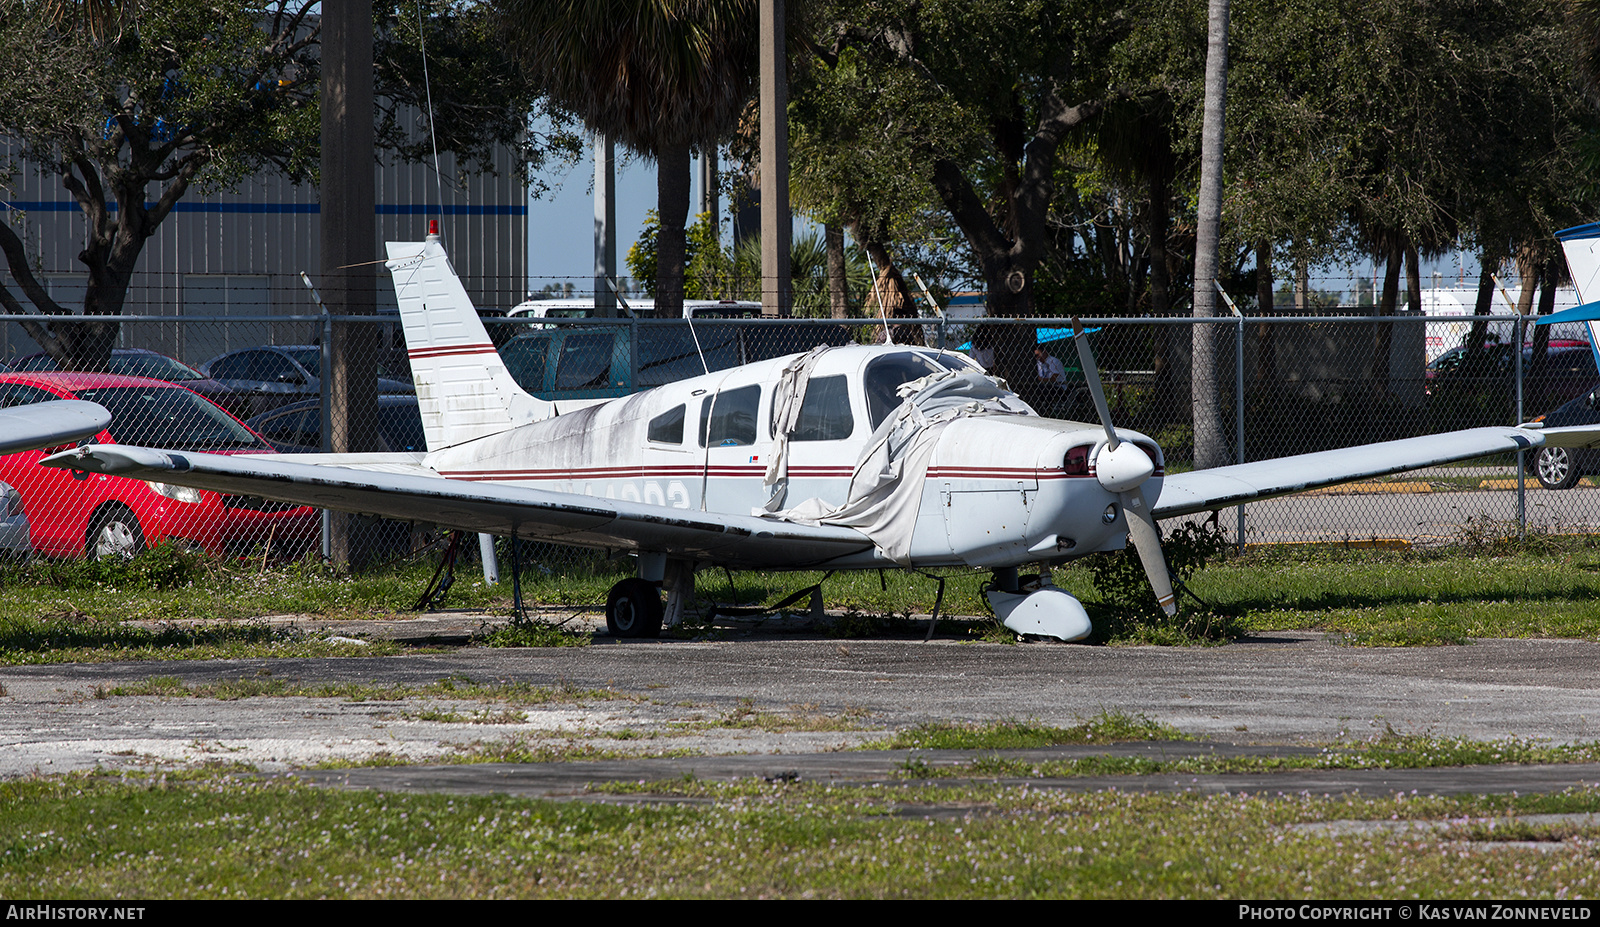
pixel 660 76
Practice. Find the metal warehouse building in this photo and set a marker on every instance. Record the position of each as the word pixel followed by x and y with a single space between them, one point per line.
pixel 237 256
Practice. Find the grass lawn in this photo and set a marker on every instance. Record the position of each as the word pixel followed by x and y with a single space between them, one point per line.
pixel 168 605
pixel 215 836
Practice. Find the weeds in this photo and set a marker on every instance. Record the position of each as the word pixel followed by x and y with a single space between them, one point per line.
pixel 1106 727
pixel 163 567
pixel 532 633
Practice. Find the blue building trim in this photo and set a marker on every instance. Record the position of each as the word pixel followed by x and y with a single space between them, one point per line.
pixel 382 209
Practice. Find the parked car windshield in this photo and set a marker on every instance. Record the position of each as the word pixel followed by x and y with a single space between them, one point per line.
pixel 150 416
pixel 128 364
pixel 311 360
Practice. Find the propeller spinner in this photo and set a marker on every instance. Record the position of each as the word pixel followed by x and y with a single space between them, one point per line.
pixel 1122 468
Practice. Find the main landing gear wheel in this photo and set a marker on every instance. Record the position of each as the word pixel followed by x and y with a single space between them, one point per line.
pixel 1555 468
pixel 633 609
pixel 115 532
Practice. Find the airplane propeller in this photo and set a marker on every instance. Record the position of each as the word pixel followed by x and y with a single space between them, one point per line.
pixel 1122 468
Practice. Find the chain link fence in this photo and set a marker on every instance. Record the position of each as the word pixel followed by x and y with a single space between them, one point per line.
pixel 1285 386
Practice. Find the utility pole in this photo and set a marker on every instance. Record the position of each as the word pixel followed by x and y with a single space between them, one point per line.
pixel 349 232
pixel 775 220
pixel 605 225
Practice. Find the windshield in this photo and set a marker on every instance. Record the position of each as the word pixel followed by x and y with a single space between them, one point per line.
pixel 885 375
pixel 128 364
pixel 154 366
pixel 152 416
pixel 311 360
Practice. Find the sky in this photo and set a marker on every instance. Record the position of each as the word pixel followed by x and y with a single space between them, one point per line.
pixel 561 236
pixel 561 224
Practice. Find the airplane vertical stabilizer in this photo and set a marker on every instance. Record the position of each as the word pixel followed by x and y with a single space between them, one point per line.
pixel 464 390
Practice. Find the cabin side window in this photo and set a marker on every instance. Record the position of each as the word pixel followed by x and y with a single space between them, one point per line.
pixel 825 413
pixel 728 418
pixel 667 428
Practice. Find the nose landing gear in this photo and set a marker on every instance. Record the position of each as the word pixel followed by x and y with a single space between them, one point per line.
pixel 1037 607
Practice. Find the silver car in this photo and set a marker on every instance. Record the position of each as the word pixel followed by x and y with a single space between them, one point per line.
pixel 14 543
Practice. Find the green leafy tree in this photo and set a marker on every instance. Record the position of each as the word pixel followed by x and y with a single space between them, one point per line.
pixel 180 95
pixel 132 105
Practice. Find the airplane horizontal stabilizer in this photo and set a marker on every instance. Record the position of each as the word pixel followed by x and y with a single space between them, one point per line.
pixel 1200 490
pixel 492 508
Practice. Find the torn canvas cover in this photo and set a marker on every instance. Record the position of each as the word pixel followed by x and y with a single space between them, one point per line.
pixel 886 487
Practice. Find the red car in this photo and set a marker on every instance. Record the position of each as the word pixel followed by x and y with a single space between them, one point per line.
pixel 89 515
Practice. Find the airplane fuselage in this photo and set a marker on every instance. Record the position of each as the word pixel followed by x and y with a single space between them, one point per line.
pixel 999 490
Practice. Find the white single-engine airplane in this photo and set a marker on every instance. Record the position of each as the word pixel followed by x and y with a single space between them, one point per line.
pixel 841 458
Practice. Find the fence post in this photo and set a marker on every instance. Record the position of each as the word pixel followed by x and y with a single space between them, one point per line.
pixel 1238 400
pixel 324 378
pixel 1522 490
pixel 1238 393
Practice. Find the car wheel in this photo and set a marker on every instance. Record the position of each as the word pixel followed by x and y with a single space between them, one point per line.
pixel 1555 468
pixel 115 532
pixel 634 609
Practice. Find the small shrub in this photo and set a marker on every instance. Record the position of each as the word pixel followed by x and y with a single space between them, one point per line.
pixel 1120 580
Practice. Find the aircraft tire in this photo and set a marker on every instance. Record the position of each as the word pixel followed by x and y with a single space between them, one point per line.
pixel 633 609
pixel 1556 468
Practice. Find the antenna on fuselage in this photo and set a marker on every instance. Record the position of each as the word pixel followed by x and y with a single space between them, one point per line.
pixel 688 316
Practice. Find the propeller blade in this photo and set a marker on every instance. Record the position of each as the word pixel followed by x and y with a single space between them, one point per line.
pixel 1091 375
pixel 1147 541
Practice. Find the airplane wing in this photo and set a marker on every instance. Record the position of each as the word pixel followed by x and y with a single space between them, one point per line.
pixel 42 424
pixel 565 518
pixel 1200 490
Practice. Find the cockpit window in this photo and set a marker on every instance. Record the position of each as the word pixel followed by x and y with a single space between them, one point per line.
pixel 886 374
pixel 957 362
pixel 825 413
pixel 729 417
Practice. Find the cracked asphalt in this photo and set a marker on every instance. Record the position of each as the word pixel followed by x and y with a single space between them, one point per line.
pixel 1269 693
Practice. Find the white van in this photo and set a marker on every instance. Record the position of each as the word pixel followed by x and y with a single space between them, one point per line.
pixel 583 308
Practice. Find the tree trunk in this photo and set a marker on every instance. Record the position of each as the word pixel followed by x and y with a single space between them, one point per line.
pixel 838 280
pixel 1528 270
pixel 1266 361
pixel 1549 278
pixel 672 205
pixel 1210 439
pixel 348 235
pixel 1413 279
pixel 1391 282
pixel 1156 229
pixel 1479 333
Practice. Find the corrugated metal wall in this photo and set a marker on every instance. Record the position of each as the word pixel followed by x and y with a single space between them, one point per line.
pixel 241 252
